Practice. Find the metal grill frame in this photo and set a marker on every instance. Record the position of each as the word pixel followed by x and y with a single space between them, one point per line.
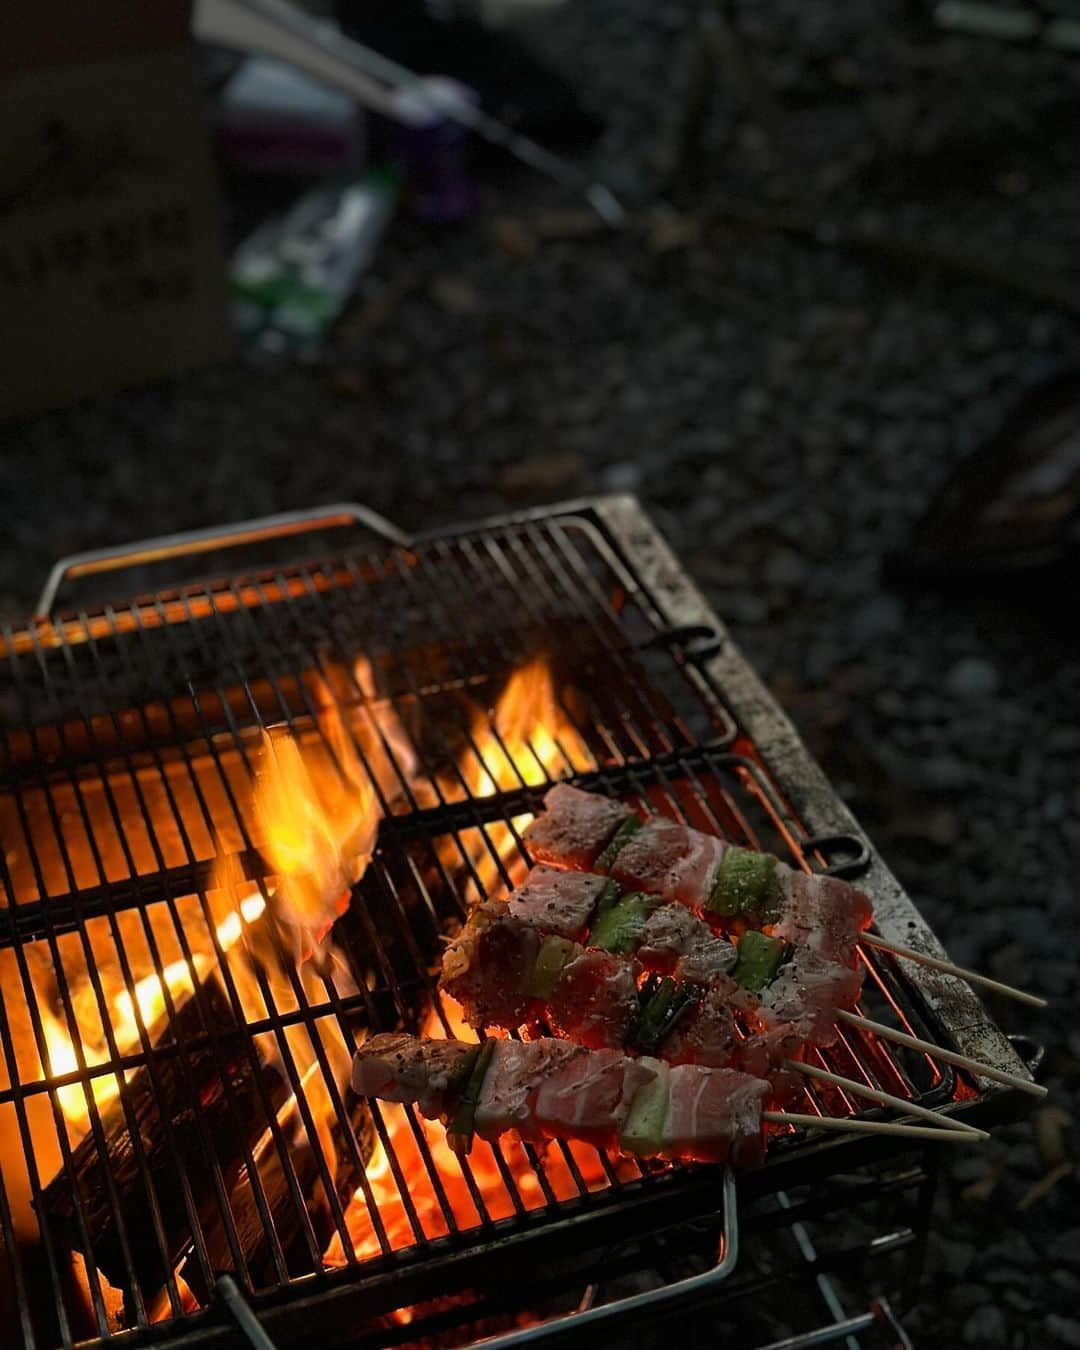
pixel 768 750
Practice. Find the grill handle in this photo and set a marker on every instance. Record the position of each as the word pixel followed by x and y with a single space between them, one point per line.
pixel 192 542
pixel 555 1331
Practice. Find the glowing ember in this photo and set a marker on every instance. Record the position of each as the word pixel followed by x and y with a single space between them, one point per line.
pixel 421 1193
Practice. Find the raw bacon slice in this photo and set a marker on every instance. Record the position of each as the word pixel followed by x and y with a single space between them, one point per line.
pixel 516 1070
pixel 590 1097
pixel 823 914
pixel 553 901
pixel 550 1089
pixel 763 1056
pixel 595 1000
pixel 575 828
pixel 488 966
pixel 490 970
pixel 674 941
pixel 806 994
pixel 650 860
pixel 668 859
pixel 714 1114
pixel 400 1068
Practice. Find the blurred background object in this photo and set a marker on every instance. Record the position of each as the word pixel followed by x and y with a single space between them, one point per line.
pixel 110 241
pixel 1013 507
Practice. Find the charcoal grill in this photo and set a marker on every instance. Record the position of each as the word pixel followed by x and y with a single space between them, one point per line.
pixel 129 731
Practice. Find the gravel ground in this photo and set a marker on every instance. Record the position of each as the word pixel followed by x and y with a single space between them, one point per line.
pixel 786 412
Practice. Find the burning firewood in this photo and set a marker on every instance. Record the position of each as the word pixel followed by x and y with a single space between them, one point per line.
pixel 289 1223
pixel 158 1141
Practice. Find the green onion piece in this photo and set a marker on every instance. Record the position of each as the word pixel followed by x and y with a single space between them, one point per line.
pixel 553 955
pixel 742 882
pixel 621 836
pixel 643 1130
pixel 608 897
pixel 759 959
pixel 618 929
pixel 459 1134
pixel 459 1075
pixel 660 1012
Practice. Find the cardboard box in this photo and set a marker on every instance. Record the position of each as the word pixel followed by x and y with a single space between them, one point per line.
pixel 112 267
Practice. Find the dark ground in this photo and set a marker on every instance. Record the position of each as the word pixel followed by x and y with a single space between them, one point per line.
pixel 786 412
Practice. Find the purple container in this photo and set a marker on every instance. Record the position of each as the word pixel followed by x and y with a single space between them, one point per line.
pixel 432 150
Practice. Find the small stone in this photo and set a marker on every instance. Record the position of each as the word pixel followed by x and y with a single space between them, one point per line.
pixel 1067 1248
pixel 877 618
pixel 514 237
pixel 1068 1283
pixel 1063 1330
pixel 986 1327
pixel 785 569
pixel 965 1297
pixel 943 774
pixel 668 231
pixel 622 477
pixel 454 295
pixel 972 678
pixel 539 475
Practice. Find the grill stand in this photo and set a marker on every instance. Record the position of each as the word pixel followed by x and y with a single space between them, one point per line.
pixel 697 637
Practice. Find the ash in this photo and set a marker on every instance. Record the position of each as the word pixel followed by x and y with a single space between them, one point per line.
pixel 786 411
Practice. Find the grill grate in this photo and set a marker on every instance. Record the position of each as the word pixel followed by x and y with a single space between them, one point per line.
pixel 128 744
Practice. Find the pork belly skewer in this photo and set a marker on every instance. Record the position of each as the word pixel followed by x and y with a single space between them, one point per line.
pixel 505 973
pixel 683 865
pixel 493 979
pixel 724 881
pixel 551 1089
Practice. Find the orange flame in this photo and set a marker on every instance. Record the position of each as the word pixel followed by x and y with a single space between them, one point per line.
pixel 318 808
pixel 528 739
pixel 148 995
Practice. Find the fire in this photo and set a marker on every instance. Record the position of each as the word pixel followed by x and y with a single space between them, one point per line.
pixel 318 806
pixel 527 739
pixel 148 996
pixel 317 799
pixel 314 837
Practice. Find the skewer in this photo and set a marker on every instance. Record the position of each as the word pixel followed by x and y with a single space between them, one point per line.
pixel 949 968
pixel 873 1127
pixel 884 1098
pixel 946 1056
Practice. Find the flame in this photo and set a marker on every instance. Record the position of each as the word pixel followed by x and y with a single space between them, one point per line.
pixel 316 803
pixel 148 996
pixel 318 807
pixel 528 739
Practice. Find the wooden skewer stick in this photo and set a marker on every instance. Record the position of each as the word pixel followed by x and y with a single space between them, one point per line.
pixel 946 1056
pixel 855 1126
pixel 884 1098
pixel 949 968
